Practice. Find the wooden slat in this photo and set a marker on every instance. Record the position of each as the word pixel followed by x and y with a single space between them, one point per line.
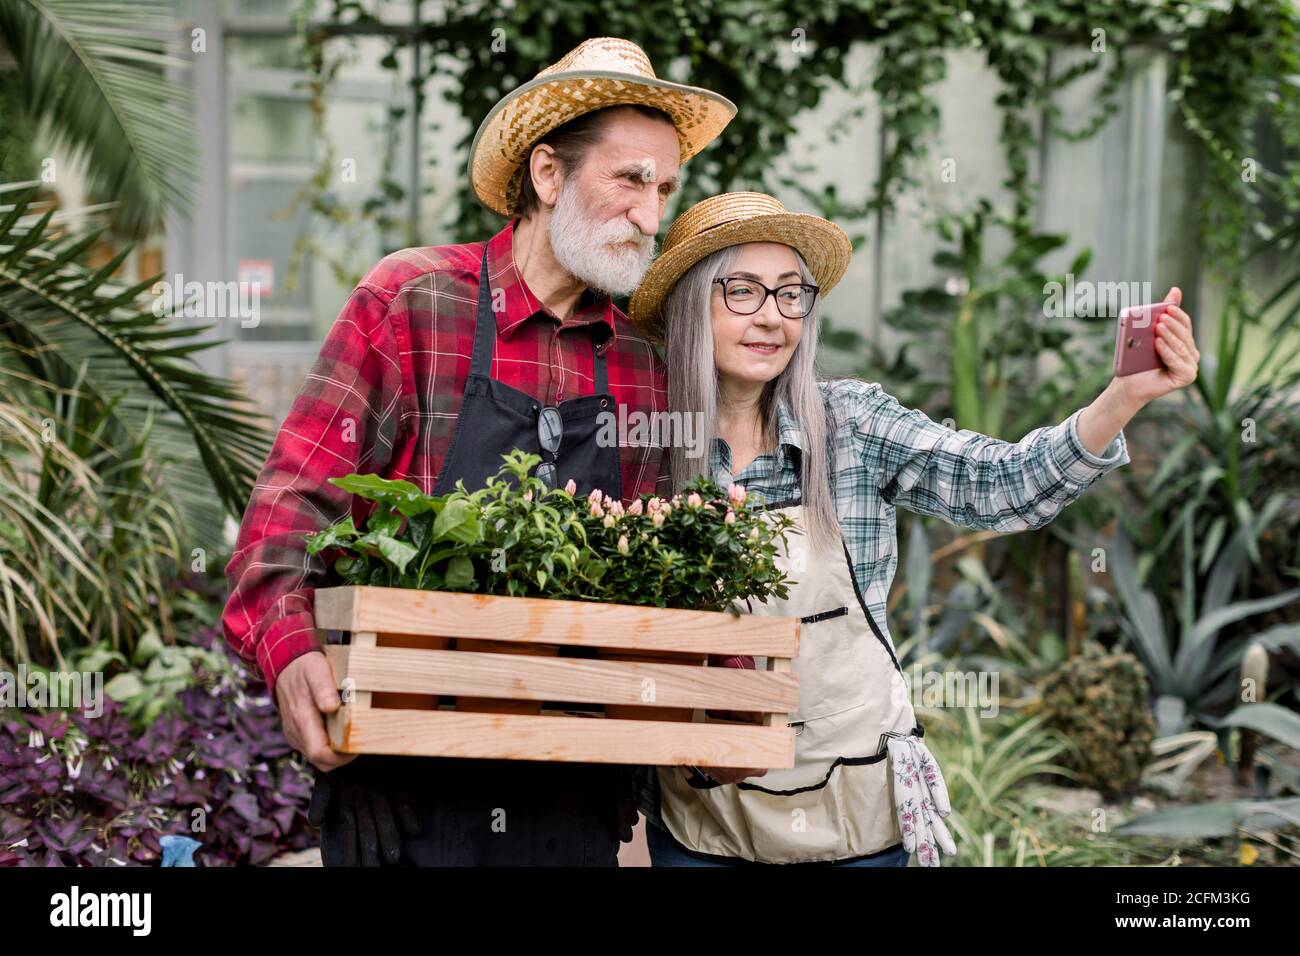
pixel 441 733
pixel 569 679
pixel 335 609
pixel 784 666
pixel 537 620
pixel 362 641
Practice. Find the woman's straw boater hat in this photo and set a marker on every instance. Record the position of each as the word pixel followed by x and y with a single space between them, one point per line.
pixel 730 220
pixel 600 72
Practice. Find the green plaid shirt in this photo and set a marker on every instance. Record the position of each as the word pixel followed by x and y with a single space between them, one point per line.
pixel 887 457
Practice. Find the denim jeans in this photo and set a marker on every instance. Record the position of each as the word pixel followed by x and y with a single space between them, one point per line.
pixel 665 851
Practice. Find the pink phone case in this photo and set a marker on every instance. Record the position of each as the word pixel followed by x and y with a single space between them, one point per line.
pixel 1135 339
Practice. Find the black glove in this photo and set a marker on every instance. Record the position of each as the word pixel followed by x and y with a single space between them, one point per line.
pixel 364 817
pixel 628 783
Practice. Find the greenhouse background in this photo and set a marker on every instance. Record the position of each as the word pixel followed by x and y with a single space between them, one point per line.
pixel 975 159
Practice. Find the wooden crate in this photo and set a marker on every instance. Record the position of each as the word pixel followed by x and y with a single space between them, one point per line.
pixel 399 671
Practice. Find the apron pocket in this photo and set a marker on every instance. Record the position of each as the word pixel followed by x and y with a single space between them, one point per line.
pixel 830 665
pixel 850 814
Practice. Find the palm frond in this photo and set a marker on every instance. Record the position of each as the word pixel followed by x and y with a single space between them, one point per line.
pixel 96 74
pixel 62 317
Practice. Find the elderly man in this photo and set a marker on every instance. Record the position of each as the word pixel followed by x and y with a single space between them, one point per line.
pixel 443 359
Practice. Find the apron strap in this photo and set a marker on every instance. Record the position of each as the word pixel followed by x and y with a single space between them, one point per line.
pixel 602 375
pixel 485 326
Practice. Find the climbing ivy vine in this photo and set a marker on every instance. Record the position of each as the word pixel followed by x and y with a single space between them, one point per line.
pixel 1233 77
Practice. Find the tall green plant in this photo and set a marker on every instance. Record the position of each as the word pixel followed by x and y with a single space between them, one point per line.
pixel 123 456
pixel 97 76
pixel 59 315
pixel 988 321
pixel 1190 669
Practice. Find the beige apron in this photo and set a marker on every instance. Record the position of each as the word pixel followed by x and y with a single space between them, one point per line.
pixel 836 802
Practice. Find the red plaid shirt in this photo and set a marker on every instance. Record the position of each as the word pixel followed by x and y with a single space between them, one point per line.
pixel 383 397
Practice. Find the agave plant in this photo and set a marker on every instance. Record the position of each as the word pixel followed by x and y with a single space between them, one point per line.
pixel 1192 674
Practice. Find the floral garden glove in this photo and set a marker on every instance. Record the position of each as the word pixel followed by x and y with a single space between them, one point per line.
pixel 921 799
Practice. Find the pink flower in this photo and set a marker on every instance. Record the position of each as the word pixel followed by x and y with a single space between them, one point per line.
pixel 653 505
pixel 622 544
pixel 657 519
pixel 665 509
pixel 528 495
pixel 594 497
pixel 694 500
pixel 736 494
pixel 635 508
pixel 609 521
pixel 571 486
pixel 616 508
pixel 677 501
pixel 596 510
pixel 730 518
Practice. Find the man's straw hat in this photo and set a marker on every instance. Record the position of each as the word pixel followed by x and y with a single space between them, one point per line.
pixel 730 220
pixel 600 72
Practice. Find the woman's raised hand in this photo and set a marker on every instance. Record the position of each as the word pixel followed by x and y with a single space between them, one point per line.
pixel 1176 347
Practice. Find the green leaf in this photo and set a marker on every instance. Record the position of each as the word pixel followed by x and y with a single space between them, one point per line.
pixel 460 573
pixel 124 687
pixel 396 552
pixel 458 521
pixel 386 524
pixel 1268 719
pixel 406 497
pixel 149 645
pixel 1205 820
pixel 335 535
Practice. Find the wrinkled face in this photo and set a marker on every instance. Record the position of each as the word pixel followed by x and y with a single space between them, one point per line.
pixel 751 350
pixel 608 210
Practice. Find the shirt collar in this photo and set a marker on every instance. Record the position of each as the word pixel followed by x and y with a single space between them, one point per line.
pixel 520 305
pixel 788 436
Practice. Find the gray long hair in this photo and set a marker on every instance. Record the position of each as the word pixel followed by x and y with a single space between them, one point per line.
pixel 693 387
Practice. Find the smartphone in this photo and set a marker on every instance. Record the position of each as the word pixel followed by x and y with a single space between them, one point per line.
pixel 1135 338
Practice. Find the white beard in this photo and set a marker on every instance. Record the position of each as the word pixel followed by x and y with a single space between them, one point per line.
pixel 588 249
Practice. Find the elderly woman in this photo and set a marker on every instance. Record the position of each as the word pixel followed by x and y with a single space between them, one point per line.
pixel 734 297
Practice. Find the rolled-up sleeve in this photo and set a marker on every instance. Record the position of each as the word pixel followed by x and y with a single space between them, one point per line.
pixel 344 419
pixel 967 478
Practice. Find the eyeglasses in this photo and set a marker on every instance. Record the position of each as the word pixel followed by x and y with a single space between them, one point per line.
pixel 794 300
pixel 550 430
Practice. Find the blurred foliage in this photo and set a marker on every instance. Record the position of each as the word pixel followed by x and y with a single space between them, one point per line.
pixel 120 456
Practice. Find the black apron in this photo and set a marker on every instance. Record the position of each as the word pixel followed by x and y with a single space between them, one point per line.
pixel 514 812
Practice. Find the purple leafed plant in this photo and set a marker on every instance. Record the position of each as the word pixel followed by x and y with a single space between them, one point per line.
pixel 83 791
